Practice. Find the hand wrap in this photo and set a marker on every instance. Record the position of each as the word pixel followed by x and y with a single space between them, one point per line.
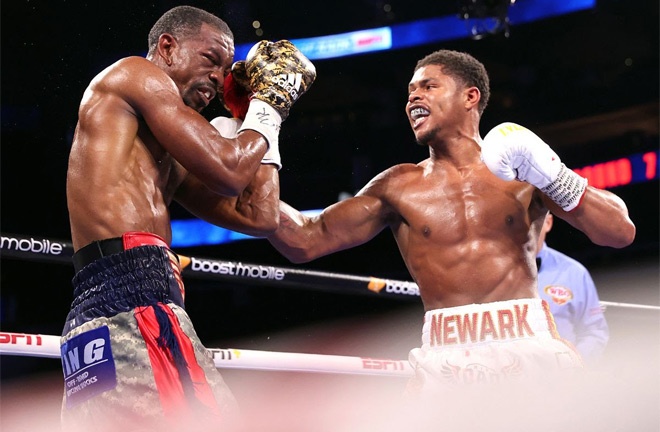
pixel 229 128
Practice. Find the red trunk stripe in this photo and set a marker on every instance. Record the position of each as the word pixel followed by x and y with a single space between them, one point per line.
pixel 165 373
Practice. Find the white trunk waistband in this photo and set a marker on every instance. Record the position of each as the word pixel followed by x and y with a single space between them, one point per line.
pixel 488 322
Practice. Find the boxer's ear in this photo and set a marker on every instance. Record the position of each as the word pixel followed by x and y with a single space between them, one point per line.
pixel 166 46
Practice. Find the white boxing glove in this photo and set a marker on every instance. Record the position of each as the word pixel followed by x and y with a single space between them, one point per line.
pixel 230 127
pixel 511 151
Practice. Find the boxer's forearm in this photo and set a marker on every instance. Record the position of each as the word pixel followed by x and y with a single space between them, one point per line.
pixel 291 238
pixel 604 218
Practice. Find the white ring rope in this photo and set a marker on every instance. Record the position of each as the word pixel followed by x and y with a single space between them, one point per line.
pixel 36 345
pixel 630 305
pixel 46 250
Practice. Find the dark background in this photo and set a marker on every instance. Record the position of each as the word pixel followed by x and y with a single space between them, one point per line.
pixel 587 82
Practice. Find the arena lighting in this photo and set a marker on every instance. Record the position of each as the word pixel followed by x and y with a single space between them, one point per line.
pixel 486 17
pixel 427 31
pixel 484 8
pixel 636 168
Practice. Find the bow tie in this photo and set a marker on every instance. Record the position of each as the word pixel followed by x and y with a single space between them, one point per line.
pixel 538 264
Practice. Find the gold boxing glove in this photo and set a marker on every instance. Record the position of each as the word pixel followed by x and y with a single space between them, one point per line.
pixel 278 74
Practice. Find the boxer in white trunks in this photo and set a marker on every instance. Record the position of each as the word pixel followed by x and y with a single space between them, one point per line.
pixel 466 221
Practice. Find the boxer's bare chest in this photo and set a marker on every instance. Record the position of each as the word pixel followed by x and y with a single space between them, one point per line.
pixel 453 207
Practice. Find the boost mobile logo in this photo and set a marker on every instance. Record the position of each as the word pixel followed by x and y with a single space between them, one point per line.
pixel 400 287
pixel 396 287
pixel 237 269
pixel 290 83
pixel 31 245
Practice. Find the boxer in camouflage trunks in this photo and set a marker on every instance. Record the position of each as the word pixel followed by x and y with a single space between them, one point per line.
pixel 130 355
pixel 129 350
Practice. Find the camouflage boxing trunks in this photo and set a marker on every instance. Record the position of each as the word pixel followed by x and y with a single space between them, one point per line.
pixel 130 355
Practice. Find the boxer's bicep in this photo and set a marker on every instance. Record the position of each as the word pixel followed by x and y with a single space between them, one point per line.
pixel 602 216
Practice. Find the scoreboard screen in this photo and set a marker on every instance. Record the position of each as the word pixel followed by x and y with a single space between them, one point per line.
pixel 636 168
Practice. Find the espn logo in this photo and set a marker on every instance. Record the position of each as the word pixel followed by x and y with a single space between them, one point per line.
pixel 289 82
